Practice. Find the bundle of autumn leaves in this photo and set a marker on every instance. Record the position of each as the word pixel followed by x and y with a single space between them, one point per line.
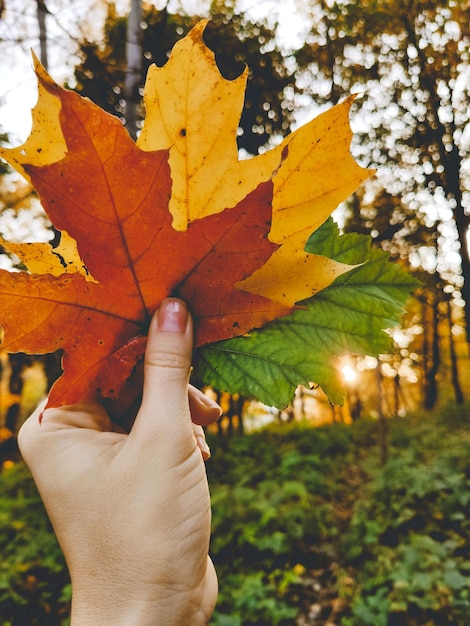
pixel 246 243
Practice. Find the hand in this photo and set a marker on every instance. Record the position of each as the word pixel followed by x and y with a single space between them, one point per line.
pixel 132 511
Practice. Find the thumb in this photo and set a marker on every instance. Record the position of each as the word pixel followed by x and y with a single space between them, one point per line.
pixel 166 369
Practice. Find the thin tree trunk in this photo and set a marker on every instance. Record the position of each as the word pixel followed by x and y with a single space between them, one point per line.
pixel 383 432
pixel 451 178
pixel 430 398
pixel 18 362
pixel 236 405
pixel 134 66
pixel 354 402
pixel 335 90
pixel 424 347
pixel 459 399
pixel 396 393
pixel 41 15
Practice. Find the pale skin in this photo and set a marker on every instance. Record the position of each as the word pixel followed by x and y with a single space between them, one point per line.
pixel 131 510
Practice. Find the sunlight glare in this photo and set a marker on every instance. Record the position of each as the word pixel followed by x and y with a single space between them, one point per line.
pixel 349 373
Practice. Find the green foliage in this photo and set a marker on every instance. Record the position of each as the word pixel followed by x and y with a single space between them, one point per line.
pixel 349 316
pixel 34 583
pixel 274 517
pixel 302 517
pixel 309 515
pixel 409 537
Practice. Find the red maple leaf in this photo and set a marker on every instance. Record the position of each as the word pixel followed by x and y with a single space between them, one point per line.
pixel 112 198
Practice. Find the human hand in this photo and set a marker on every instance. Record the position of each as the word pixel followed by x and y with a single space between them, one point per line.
pixel 132 511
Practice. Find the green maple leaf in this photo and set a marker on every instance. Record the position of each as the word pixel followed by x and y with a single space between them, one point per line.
pixel 348 317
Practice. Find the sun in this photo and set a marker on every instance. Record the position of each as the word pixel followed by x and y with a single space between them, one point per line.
pixel 349 373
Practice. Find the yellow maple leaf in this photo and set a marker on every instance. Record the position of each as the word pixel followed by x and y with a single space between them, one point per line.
pixel 46 143
pixel 193 112
pixel 43 258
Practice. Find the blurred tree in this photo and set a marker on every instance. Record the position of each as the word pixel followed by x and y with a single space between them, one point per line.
pixel 42 12
pixel 134 58
pixel 412 58
pixel 236 42
pixel 410 237
pixel 455 377
pixel 3 164
pixel 438 349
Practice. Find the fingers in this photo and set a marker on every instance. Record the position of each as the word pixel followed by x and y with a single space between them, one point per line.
pixel 204 410
pixel 201 442
pixel 165 404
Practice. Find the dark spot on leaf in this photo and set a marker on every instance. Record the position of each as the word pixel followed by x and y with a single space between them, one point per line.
pixel 183 132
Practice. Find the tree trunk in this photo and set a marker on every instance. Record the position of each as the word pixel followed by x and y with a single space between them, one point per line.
pixel 235 411
pixel 459 399
pixel 18 362
pixel 134 66
pixel 430 398
pixel 424 347
pixel 451 178
pixel 336 91
pixel 354 402
pixel 41 15
pixel 396 393
pixel 383 431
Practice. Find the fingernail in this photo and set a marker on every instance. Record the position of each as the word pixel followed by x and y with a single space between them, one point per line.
pixel 203 447
pixel 172 316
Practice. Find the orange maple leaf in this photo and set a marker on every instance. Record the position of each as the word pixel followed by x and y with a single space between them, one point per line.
pixel 177 214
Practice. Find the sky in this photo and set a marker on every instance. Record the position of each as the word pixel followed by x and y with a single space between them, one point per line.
pixel 18 36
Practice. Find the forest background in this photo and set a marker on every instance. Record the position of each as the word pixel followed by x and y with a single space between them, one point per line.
pixel 410 61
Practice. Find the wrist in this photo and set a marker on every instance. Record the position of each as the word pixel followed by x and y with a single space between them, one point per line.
pixel 142 604
pixel 174 610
